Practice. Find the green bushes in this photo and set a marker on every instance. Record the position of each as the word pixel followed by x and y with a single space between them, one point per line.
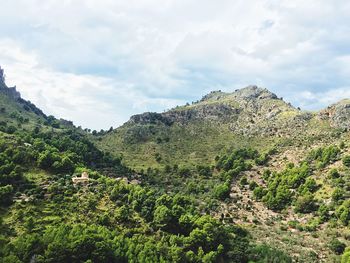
pixel 346 256
pixel 324 156
pixel 259 192
pixel 305 204
pixel 343 212
pixel 118 235
pixel 336 246
pixel 222 191
pixel 278 193
pixel 264 253
pixel 346 161
pixel 6 194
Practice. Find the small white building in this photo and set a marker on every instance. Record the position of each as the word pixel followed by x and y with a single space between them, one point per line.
pixel 84 179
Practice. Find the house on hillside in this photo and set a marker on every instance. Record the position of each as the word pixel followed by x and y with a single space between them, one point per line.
pixel 83 179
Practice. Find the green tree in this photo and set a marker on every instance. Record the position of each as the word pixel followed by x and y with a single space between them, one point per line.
pixel 346 161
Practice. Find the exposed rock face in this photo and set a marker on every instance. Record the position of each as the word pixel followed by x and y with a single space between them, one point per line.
pixel 253 92
pixel 11 92
pixel 338 115
pixel 203 112
pixel 2 75
pixel 150 118
pixel 215 106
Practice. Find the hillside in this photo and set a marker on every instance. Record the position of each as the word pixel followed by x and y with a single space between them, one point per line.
pixel 233 177
pixel 192 134
pixel 198 150
pixel 112 217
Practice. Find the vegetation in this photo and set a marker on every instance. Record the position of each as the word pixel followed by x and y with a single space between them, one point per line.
pixel 198 189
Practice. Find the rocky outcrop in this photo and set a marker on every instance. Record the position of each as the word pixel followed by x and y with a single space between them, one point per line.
pixel 251 111
pixel 253 92
pixel 212 112
pixel 9 91
pixel 150 118
pixel 215 106
pixel 338 115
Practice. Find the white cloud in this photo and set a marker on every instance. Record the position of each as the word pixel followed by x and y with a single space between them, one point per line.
pixel 98 62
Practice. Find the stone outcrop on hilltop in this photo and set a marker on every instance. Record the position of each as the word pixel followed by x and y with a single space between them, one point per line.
pixel 10 91
pixel 13 94
pixel 337 114
pixel 248 111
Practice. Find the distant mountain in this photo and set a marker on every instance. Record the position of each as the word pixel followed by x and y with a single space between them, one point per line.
pixel 190 134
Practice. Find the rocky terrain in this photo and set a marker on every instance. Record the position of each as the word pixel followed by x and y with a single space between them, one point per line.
pixel 252 115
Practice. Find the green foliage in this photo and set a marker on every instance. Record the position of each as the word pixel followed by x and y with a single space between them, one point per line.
pixel 305 204
pixel 346 161
pixel 259 192
pixel 222 191
pixel 204 170
pixel 6 194
pixel 333 173
pixel 337 246
pixel 278 194
pixel 243 181
pixel 343 212
pixel 324 156
pixel 236 160
pixel 338 194
pixel 323 212
pixel 346 256
pixel 264 253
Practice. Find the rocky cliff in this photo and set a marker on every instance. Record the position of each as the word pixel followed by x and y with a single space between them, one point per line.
pixel 338 115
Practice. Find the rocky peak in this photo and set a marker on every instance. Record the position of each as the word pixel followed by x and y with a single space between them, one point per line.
pixel 213 95
pixel 10 91
pixel 254 92
pixel 338 114
pixel 2 76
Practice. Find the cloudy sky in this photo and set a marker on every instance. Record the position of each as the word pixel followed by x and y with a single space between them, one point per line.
pixel 97 62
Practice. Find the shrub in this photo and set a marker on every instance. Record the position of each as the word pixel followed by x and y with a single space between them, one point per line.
pixel 346 161
pixel 305 204
pixel 333 173
pixel 265 253
pixel 222 191
pixel 346 256
pixel 337 246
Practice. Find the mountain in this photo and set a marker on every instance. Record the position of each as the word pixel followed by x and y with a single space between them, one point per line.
pixel 113 215
pixel 191 134
pixel 250 158
pixel 233 177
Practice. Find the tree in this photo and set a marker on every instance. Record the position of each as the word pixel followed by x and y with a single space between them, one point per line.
pixel 333 173
pixel 6 194
pixel 162 216
pixel 346 256
pixel 346 161
pixel 336 246
pixel 222 191
pixel 122 214
pixel 337 194
pixel 305 204
pixel 343 212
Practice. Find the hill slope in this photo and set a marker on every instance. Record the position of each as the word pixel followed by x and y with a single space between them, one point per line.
pixel 44 217
pixel 287 192
pixel 192 134
pixel 231 160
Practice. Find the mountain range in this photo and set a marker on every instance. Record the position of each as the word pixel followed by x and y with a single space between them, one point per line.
pixel 233 177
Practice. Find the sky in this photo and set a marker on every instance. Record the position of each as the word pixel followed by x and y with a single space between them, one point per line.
pixel 97 62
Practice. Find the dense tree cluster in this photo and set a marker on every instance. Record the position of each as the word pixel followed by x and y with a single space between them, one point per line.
pixel 281 187
pixel 324 155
